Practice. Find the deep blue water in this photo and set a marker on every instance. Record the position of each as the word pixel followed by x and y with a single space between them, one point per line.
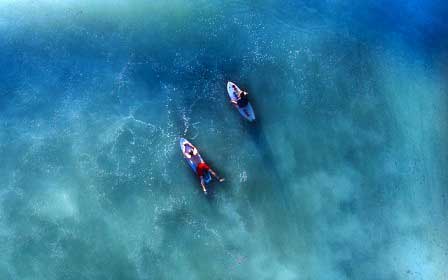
pixel 342 176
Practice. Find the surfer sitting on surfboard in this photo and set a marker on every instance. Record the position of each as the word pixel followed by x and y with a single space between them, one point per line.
pixel 242 99
pixel 202 168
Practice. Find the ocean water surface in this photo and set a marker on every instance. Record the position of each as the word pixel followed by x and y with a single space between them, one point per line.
pixel 342 176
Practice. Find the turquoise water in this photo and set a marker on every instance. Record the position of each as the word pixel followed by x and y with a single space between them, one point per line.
pixel 343 176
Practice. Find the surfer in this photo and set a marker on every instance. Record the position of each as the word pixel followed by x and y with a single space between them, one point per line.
pixel 242 99
pixel 202 168
pixel 239 99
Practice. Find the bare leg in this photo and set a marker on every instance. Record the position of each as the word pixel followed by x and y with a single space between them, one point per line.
pixel 203 185
pixel 216 175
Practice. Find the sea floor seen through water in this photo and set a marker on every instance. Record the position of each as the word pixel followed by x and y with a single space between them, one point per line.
pixel 341 176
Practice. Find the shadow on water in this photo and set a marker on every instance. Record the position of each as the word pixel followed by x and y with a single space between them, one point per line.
pixel 258 135
pixel 260 138
pixel 276 196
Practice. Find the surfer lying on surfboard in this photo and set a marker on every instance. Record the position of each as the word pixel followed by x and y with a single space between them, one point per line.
pixel 202 168
pixel 242 99
pixel 239 100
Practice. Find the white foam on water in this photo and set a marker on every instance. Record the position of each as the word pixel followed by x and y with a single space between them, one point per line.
pixel 55 203
pixel 98 186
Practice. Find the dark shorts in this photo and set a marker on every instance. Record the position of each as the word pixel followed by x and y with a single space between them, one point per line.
pixel 242 102
pixel 202 169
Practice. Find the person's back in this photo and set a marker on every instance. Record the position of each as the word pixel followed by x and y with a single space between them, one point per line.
pixel 242 100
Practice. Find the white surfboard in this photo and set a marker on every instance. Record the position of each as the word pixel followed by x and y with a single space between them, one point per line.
pixel 247 112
